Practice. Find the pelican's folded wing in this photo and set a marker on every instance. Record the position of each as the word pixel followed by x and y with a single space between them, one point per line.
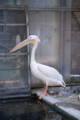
pixel 49 72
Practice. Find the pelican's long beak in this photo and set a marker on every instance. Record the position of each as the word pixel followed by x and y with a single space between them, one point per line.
pixel 21 45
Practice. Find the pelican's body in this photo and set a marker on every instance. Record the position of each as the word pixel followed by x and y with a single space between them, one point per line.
pixel 49 76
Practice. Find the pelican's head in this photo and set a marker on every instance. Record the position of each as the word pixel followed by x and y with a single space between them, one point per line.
pixel 32 39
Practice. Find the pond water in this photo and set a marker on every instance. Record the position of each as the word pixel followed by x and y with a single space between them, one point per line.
pixel 27 110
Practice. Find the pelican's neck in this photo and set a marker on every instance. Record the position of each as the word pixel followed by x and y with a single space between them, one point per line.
pixel 33 51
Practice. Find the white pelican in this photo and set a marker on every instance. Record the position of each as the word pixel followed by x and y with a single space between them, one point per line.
pixel 49 76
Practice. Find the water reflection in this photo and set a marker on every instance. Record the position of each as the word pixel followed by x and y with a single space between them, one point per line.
pixel 26 111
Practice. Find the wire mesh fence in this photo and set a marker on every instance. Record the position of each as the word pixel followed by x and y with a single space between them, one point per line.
pixel 13 67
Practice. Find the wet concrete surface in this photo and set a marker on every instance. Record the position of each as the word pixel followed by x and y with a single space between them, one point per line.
pixel 66 101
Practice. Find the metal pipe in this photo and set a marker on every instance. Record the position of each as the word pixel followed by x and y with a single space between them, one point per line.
pixel 28 49
pixel 73 76
pixel 13 54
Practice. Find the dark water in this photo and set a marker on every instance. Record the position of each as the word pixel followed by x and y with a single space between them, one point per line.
pixel 27 110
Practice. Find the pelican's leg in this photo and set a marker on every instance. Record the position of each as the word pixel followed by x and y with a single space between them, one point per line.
pixel 45 90
pixel 43 93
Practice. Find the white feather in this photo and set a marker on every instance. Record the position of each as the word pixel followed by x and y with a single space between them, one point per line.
pixel 51 73
pixel 49 76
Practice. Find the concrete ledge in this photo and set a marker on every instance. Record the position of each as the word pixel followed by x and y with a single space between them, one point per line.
pixel 71 112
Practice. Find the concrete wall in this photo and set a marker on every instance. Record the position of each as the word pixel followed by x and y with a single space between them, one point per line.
pixel 46 24
pixel 54 30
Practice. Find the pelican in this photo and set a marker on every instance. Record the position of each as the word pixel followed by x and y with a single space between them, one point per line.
pixel 49 76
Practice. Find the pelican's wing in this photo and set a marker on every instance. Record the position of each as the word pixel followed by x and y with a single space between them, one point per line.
pixel 50 72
